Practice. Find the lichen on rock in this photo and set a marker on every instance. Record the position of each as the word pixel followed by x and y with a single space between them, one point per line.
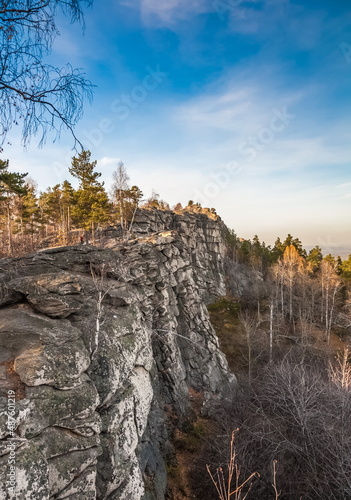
pixel 105 344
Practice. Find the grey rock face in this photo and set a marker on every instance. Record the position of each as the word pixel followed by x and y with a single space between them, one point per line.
pixel 99 345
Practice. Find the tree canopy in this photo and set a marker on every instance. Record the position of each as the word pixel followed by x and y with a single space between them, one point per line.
pixel 34 93
pixel 90 201
pixel 10 182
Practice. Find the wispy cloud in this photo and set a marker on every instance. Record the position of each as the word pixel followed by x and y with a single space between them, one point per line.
pixel 345 185
pixel 219 111
pixel 106 161
pixel 168 12
pixel 228 72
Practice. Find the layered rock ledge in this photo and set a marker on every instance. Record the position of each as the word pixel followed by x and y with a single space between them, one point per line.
pixel 103 348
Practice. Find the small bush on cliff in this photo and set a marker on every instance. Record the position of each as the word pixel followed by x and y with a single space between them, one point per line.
pixel 225 304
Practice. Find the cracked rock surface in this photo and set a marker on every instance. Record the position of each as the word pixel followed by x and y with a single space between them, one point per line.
pixel 100 346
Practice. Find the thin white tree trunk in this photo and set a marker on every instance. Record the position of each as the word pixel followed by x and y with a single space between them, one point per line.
pixel 270 332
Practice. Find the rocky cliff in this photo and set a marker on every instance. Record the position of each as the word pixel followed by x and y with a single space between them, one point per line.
pixel 102 350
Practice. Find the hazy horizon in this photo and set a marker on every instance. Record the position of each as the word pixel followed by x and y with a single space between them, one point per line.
pixel 240 105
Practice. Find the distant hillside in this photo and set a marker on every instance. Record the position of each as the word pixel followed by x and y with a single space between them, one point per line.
pixel 342 251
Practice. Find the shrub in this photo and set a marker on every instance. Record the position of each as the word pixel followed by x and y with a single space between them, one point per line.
pixel 297 414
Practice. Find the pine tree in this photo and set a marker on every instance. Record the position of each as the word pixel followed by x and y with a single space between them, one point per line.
pixel 67 199
pixel 346 268
pixel 12 184
pixel 90 203
pixel 29 213
pixel 55 205
pixel 256 253
pixel 278 249
pixel 50 207
pixel 315 258
pixel 83 170
pixel 290 240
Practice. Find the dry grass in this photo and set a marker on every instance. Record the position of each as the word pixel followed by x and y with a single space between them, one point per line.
pixel 227 482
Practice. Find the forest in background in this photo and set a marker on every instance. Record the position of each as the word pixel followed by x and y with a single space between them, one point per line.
pixel 293 404
pixel 27 216
pixel 285 433
pixel 300 290
pixel 286 341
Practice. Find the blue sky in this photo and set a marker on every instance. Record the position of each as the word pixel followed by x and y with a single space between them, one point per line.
pixel 242 105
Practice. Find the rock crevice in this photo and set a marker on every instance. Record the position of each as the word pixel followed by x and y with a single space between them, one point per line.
pixel 101 346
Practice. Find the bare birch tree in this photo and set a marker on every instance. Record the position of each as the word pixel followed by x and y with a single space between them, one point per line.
pixel 330 286
pixel 119 187
pixel 33 92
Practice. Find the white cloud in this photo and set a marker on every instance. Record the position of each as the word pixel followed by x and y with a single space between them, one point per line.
pixel 169 11
pixel 291 186
pixel 219 111
pixel 106 160
pixel 240 102
pixel 181 145
pixel 306 29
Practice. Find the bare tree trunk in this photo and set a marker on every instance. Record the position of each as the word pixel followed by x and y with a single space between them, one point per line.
pixel 331 312
pixel 9 230
pixel 327 313
pixel 290 299
pixel 271 332
pixel 282 295
pixel 322 301
pixel 92 233
pixel 258 310
pixel 250 326
pixel 68 224
pixel 133 217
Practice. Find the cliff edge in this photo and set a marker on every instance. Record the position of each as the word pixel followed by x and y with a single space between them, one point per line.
pixel 102 350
